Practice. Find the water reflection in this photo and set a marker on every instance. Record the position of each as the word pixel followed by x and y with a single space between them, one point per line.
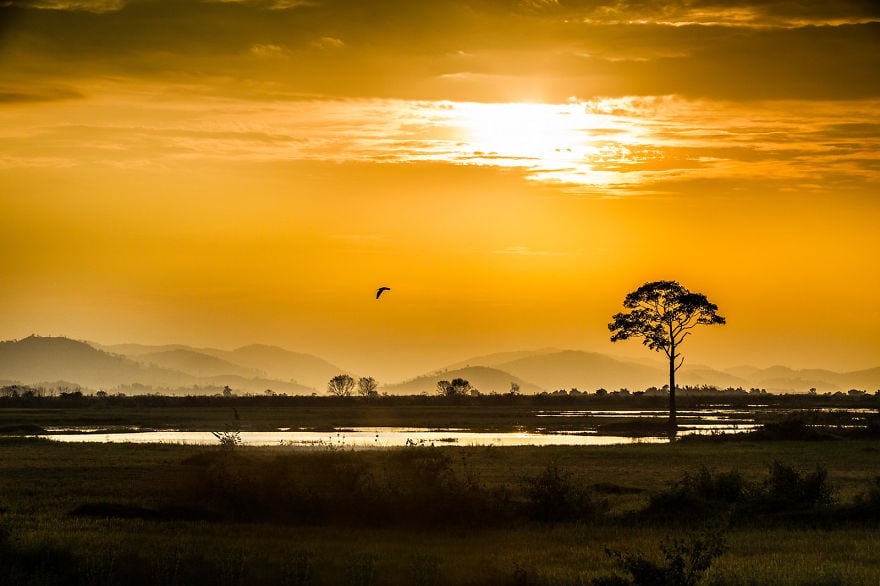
pixel 358 438
pixel 714 419
pixel 375 437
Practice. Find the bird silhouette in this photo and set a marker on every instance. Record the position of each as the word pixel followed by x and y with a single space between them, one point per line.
pixel 381 290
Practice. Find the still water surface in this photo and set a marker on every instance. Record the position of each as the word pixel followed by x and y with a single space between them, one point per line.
pixel 580 430
pixel 387 437
pixel 358 437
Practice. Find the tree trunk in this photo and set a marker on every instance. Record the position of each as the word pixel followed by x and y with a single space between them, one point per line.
pixel 673 425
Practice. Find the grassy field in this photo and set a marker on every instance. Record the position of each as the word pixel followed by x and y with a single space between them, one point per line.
pixel 167 514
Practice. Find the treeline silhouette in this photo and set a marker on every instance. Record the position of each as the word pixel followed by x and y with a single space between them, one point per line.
pixel 689 397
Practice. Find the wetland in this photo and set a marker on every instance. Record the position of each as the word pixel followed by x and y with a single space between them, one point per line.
pixel 790 511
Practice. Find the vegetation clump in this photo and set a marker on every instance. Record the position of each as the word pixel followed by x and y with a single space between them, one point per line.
pixel 708 494
pixel 699 495
pixel 684 561
pixel 415 487
pixel 791 429
pixel 553 496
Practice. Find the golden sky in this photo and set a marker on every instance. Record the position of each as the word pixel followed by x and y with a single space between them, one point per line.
pixel 236 171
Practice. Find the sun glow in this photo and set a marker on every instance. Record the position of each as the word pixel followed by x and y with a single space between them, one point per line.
pixel 561 143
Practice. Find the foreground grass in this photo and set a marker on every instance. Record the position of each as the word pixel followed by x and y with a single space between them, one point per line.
pixel 160 553
pixel 42 482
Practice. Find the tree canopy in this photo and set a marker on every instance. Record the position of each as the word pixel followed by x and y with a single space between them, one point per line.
pixel 663 313
pixel 341 385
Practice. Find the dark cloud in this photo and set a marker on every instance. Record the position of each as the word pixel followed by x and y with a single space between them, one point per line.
pixel 480 50
pixel 43 95
pixel 739 12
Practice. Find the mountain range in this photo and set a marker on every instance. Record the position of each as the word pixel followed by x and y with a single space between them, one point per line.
pixel 256 368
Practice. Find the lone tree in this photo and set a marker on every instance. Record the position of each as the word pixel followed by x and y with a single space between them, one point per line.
pixel 340 385
pixel 663 313
pixel 459 387
pixel 367 386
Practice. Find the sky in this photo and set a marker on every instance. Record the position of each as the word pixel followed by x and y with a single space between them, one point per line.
pixel 226 172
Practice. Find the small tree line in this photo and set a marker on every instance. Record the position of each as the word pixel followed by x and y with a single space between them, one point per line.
pixel 343 385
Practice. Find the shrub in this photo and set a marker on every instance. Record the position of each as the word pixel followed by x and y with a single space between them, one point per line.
pixel 871 499
pixel 790 429
pixel 297 569
pixel 684 562
pixel 706 494
pixel 701 495
pixel 228 439
pixel 785 489
pixel 553 496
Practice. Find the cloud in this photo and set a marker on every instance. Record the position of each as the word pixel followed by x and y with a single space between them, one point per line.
pixel 729 13
pixel 266 50
pixel 607 147
pixel 525 251
pixel 97 6
pixel 328 43
pixel 31 95
pixel 457 49
pixel 271 4
pixel 538 5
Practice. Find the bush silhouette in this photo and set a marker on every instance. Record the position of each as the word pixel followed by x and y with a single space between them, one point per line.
pixel 702 495
pixel 553 496
pixel 684 562
pixel 785 489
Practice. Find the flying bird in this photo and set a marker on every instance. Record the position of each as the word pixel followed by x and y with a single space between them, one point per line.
pixel 381 290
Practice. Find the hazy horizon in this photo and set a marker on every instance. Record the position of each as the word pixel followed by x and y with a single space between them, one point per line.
pixel 221 173
pixel 394 374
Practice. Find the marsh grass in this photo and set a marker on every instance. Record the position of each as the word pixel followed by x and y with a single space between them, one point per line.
pixel 41 483
pixel 416 488
pixel 126 553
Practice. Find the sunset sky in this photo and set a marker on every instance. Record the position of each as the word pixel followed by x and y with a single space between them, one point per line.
pixel 237 171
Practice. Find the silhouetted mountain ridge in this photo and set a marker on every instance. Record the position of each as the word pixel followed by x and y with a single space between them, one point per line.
pixel 282 364
pixel 258 367
pixel 36 360
pixel 587 371
pixel 254 360
pixel 194 363
pixel 483 378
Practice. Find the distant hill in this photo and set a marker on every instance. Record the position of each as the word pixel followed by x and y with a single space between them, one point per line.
pixel 37 359
pixel 586 371
pixel 697 376
pixel 278 363
pixel 782 379
pixel 867 380
pixel 132 350
pixel 269 362
pixel 256 368
pixel 483 378
pixel 497 358
pixel 194 363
